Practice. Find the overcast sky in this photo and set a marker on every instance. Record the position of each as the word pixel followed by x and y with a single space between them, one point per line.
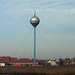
pixel 55 33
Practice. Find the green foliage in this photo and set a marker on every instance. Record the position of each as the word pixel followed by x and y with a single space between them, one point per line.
pixel 60 62
pixel 48 64
pixel 67 58
pixel 44 63
pixel 73 59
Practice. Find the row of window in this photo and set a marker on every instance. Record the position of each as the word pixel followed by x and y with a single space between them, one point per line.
pixel 8 64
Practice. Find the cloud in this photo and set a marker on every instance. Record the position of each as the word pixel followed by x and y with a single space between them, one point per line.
pixel 5 22
pixel 72 11
pixel 43 4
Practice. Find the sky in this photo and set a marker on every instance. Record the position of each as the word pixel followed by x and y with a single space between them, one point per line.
pixel 55 33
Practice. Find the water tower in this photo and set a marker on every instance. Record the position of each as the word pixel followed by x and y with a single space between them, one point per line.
pixel 34 21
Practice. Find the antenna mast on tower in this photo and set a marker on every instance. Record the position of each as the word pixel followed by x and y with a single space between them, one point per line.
pixel 35 13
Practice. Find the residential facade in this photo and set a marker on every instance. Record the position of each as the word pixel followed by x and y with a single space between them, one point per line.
pixel 13 61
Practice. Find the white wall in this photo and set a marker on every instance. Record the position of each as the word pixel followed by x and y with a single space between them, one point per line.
pixel 2 64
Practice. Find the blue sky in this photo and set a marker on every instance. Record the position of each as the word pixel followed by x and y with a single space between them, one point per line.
pixel 55 33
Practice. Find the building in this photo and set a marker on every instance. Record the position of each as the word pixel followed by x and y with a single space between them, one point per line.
pixel 53 63
pixel 5 58
pixel 72 63
pixel 13 61
pixel 13 58
pixel 24 62
pixel 2 63
pixel 67 62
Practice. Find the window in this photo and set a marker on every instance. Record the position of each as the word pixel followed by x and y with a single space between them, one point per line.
pixel 26 65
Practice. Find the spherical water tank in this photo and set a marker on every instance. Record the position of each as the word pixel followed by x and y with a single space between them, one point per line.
pixel 34 21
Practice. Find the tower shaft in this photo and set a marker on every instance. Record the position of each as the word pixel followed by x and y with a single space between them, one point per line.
pixel 34 46
pixel 34 21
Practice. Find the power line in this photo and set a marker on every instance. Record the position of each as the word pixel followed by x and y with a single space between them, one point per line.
pixel 46 44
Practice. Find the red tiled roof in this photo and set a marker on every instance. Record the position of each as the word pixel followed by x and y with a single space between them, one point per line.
pixel 13 58
pixel 4 57
pixel 24 58
pixel 22 61
pixel 9 59
pixel 68 61
pixel 1 61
